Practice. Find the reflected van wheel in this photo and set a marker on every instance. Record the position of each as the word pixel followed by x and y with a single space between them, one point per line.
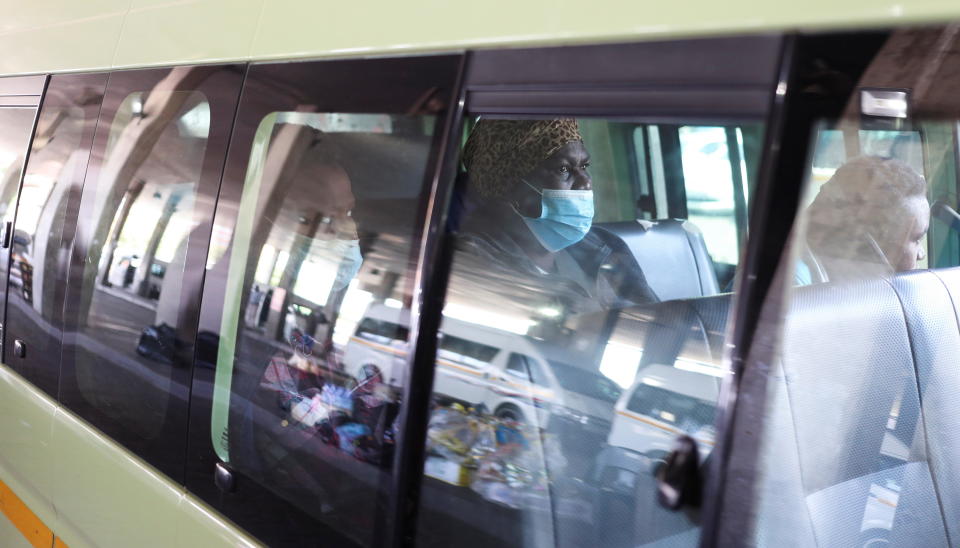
pixel 510 413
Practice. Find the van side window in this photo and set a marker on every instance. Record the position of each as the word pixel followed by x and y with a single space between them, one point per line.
pixel 517 365
pixel 382 331
pixel 537 375
pixel 700 173
pixel 683 411
pixel 586 270
pixel 43 232
pixel 858 433
pixel 464 351
pixel 136 269
pixel 714 174
pixel 307 292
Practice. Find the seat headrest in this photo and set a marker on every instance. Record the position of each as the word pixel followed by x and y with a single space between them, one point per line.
pixel 671 254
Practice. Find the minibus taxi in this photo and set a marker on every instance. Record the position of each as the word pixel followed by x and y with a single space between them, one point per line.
pixel 513 274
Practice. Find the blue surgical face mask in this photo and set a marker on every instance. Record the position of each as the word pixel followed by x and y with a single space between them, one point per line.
pixel 565 217
pixel 349 264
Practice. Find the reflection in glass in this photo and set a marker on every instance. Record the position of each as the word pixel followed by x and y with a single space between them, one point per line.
pixel 45 218
pixel 138 216
pixel 869 219
pixel 846 344
pixel 312 350
pixel 573 350
pixel 854 447
pixel 17 124
pixel 708 180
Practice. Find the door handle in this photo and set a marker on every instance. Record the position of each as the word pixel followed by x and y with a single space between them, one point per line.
pixel 19 349
pixel 223 478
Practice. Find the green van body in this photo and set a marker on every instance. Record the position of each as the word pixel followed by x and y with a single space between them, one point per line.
pixel 87 489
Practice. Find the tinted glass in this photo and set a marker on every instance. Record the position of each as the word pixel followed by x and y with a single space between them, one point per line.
pixel 582 382
pixel 858 446
pixel 46 220
pixel 306 312
pixel 137 268
pixel 713 184
pixel 558 269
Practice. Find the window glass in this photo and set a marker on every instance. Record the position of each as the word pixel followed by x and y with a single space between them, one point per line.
pixel 517 365
pixel 905 146
pixel 46 217
pixel 685 412
pixel 465 351
pixel 700 173
pixel 127 311
pixel 587 302
pixel 17 123
pixel 708 181
pixel 136 269
pixel 828 155
pixel 856 444
pixel 314 336
pixel 538 377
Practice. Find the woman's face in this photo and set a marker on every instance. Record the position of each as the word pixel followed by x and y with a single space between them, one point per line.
pixel 909 249
pixel 565 169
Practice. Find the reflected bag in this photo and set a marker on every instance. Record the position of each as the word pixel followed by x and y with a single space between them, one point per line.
pixel 158 343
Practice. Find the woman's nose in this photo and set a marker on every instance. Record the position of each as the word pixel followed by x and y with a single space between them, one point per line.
pixel 582 181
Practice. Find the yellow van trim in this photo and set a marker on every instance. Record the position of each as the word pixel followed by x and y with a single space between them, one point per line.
pixel 381 347
pixel 401 353
pixel 32 528
pixel 659 425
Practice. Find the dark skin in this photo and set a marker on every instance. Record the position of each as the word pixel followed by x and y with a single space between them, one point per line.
pixel 565 169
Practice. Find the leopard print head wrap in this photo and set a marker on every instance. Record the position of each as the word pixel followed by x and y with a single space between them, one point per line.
pixel 499 152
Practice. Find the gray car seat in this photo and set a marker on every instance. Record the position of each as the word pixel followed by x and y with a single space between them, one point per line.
pixel 670 252
pixel 846 459
pixel 859 443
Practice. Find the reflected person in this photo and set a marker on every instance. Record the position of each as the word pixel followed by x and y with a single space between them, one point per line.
pixel 868 220
pixel 534 210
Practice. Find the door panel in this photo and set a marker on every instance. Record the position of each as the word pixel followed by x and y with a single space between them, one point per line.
pixel 843 433
pixel 136 264
pixel 46 221
pixel 558 257
pixel 306 314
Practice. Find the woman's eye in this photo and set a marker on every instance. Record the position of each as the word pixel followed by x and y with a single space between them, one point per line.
pixel 562 169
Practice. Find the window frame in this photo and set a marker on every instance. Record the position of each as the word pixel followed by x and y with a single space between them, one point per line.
pixel 761 284
pixel 46 374
pixel 339 85
pixel 220 84
pixel 564 82
pixel 17 92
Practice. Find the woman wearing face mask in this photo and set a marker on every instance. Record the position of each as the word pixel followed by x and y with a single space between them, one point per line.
pixel 533 197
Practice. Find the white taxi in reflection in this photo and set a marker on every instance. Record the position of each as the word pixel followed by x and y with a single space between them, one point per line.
pixel 663 402
pixel 511 375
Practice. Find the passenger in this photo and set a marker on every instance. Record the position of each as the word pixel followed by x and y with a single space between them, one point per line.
pixel 868 220
pixel 535 210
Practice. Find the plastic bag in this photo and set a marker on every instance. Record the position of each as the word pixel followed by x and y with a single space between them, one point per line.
pixel 450 433
pixel 350 434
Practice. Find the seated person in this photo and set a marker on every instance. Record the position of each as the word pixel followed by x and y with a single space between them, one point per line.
pixel 868 220
pixel 533 212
